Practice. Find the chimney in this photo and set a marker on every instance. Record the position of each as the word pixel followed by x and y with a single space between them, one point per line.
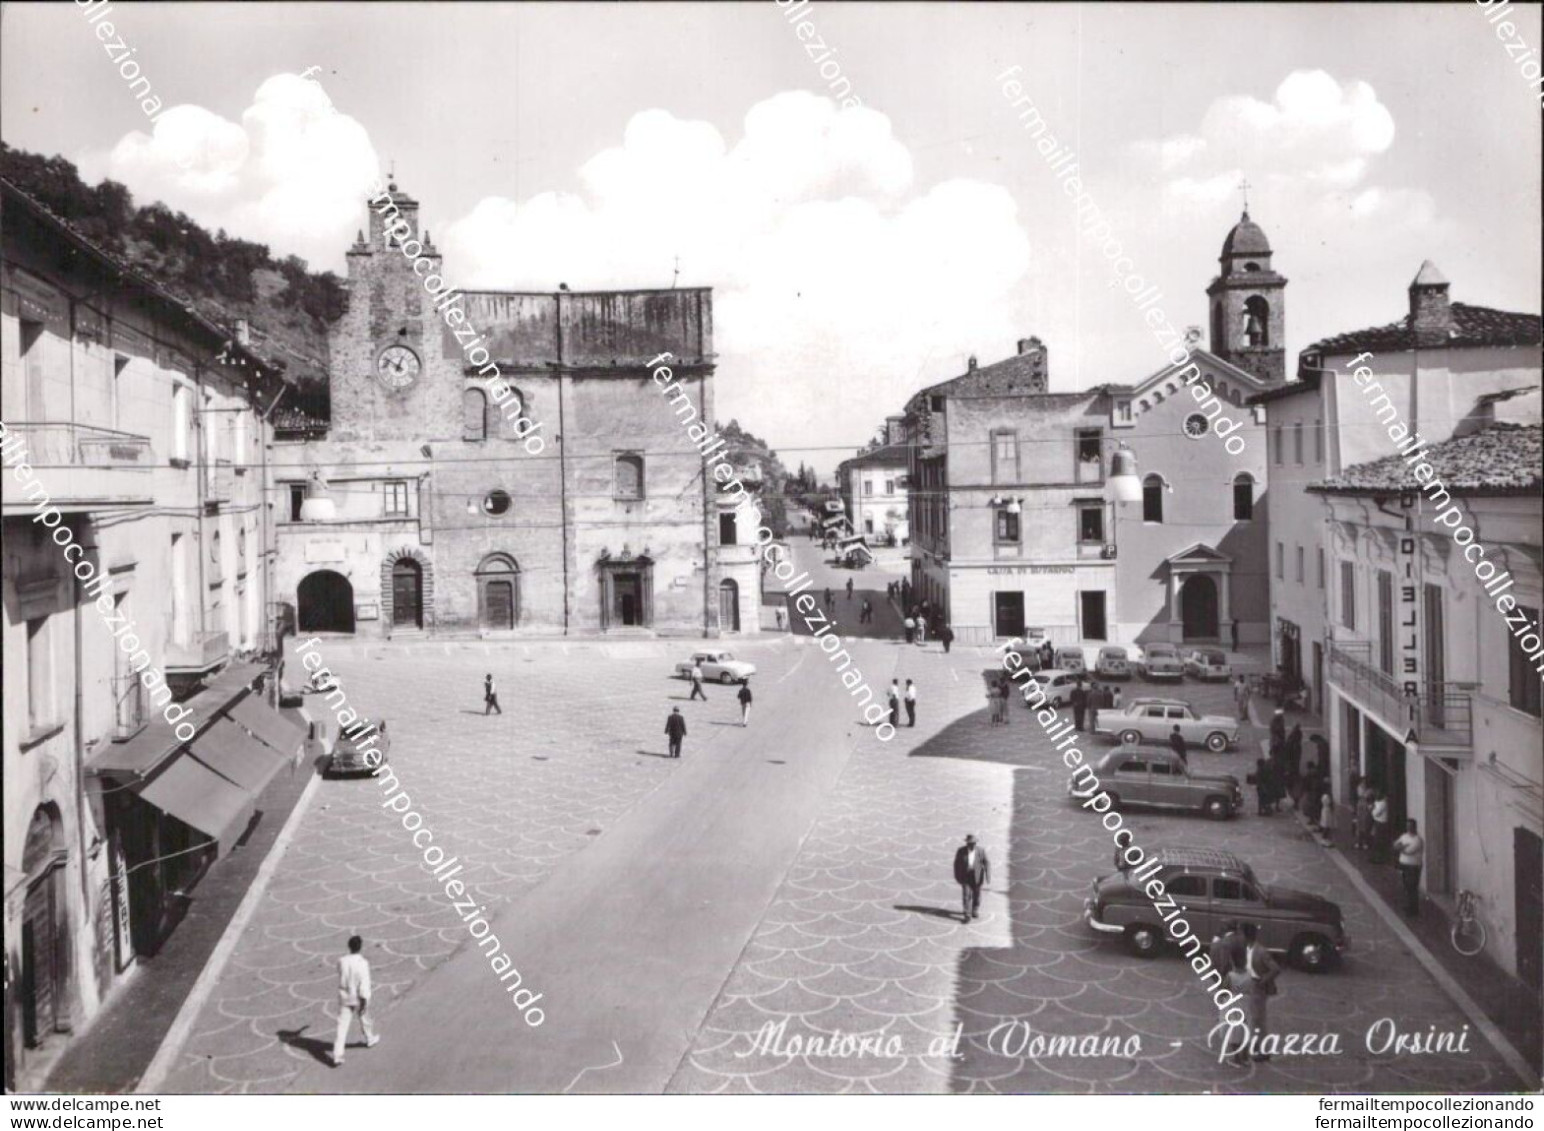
pixel 1430 314
pixel 1026 345
pixel 243 332
pixel 971 364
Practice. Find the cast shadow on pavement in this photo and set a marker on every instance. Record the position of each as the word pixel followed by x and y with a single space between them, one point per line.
pixel 319 1050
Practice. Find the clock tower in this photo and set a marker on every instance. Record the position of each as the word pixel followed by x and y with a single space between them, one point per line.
pixel 390 378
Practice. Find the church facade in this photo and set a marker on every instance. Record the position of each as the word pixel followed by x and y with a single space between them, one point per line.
pixel 536 483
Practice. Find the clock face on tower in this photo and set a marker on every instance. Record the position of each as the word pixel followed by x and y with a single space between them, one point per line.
pixel 397 367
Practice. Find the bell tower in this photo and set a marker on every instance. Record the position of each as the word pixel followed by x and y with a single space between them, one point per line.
pixel 1248 305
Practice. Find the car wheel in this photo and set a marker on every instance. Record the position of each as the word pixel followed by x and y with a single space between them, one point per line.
pixel 1217 808
pixel 1143 939
pixel 726 677
pixel 1114 799
pixel 1130 737
pixel 1312 953
pixel 1216 742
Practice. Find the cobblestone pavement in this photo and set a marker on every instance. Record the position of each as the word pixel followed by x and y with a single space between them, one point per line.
pixel 511 795
pixel 864 937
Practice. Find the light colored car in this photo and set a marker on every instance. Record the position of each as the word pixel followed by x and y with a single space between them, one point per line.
pixel 1208 663
pixel 1158 778
pixel 1070 658
pixel 1160 661
pixel 1113 663
pixel 1057 684
pixel 1153 720
pixel 717 665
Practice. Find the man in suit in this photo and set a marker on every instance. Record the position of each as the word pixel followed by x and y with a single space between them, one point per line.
pixel 490 696
pixel 1262 971
pixel 971 871
pixel 675 729
pixel 1079 700
pixel 1178 744
pixel 697 692
pixel 911 704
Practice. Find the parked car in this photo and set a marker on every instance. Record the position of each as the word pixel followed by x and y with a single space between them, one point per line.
pixel 1069 658
pixel 348 752
pixel 1113 663
pixel 1159 778
pixel 1208 663
pixel 717 664
pixel 1153 720
pixel 1057 683
pixel 1215 887
pixel 1160 661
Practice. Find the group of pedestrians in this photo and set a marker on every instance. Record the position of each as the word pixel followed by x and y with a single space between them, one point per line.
pixel 675 722
pixel 1247 969
pixel 898 696
pixel 1087 702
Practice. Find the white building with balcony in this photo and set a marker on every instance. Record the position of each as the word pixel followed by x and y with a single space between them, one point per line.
pixel 138 421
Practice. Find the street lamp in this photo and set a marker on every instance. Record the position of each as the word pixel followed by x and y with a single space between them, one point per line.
pixel 318 505
pixel 1123 486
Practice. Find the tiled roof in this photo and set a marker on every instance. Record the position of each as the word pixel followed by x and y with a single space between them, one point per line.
pixel 1501 460
pixel 1308 383
pixel 1472 326
pixel 892 455
pixel 1007 378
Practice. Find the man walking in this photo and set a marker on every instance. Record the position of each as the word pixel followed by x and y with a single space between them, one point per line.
pixel 490 696
pixel 895 703
pixel 1079 704
pixel 1262 972
pixel 697 691
pixel 911 704
pixel 849 589
pixel 1095 701
pixel 1380 827
pixel 1412 855
pixel 910 627
pixel 971 871
pixel 745 703
pixel 353 999
pixel 947 636
pixel 1178 745
pixel 830 600
pixel 675 730
pixel 1241 698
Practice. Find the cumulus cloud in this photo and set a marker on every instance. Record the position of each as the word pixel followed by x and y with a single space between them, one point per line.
pixel 835 276
pixel 291 173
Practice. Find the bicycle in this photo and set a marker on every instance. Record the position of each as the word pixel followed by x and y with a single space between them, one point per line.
pixel 1468 933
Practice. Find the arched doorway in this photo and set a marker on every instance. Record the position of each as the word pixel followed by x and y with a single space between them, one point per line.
pixel 44 971
pixel 729 605
pixel 498 592
pixel 1198 607
pixel 326 601
pixel 407 594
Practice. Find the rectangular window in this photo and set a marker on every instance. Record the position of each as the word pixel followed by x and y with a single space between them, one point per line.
pixel 1522 675
pixel 1300 569
pixel 1091 523
pixel 32 364
pixel 1090 466
pixel 1348 595
pixel 297 499
pixel 1318 441
pixel 1123 411
pixel 868 486
pixel 629 477
pixel 396 498
pixel 1005 457
pixel 1243 499
pixel 1281 562
pixel 1385 622
pixel 40 673
pixel 1320 553
pixel 1007 527
pixel 1276 442
pixel 182 421
pixel 726 529
pixel 889 486
pixel 119 389
pixel 1297 442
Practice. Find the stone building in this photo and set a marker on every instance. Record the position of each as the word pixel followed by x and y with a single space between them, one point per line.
pixel 588 508
pixel 1011 531
pixel 873 487
pixel 135 568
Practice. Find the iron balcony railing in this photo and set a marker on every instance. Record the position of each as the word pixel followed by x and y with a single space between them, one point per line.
pixel 1442 714
pixel 128 707
pixel 76 445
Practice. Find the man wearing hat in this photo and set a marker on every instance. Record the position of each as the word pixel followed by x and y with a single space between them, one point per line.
pixel 971 871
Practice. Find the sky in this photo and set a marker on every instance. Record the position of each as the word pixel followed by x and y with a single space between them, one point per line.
pixel 864 201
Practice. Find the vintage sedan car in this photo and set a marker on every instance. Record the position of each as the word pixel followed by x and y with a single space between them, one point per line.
pixel 348 752
pixel 1113 663
pixel 1160 779
pixel 1208 663
pixel 1215 888
pixel 1160 661
pixel 1070 658
pixel 717 664
pixel 1153 720
pixel 1057 683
